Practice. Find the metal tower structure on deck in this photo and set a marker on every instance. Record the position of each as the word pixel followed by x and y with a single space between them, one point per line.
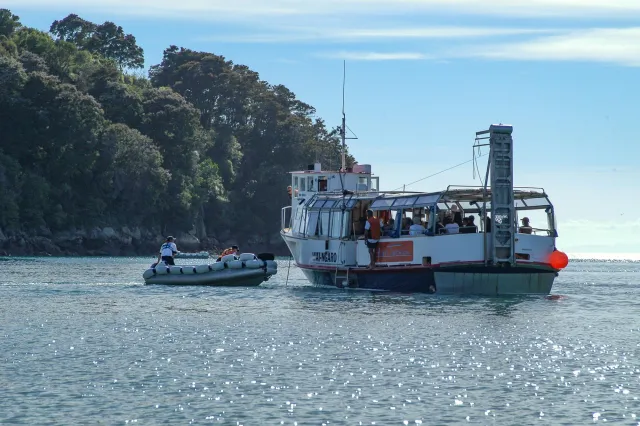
pixel 500 173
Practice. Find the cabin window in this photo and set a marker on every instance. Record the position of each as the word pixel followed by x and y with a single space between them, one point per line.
pixel 346 224
pixel 296 220
pixel 295 183
pixel 363 184
pixel 382 203
pixel 310 185
pixel 322 184
pixel 303 186
pixel 300 220
pixel 336 221
pixel 312 223
pixel 375 183
pixel 304 220
pixel 324 223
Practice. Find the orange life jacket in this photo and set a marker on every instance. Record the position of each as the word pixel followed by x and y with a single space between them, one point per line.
pixel 227 251
pixel 374 228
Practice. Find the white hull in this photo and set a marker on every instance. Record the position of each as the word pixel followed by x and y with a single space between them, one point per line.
pixel 456 265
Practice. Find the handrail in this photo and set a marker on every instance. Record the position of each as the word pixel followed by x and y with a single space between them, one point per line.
pixel 283 218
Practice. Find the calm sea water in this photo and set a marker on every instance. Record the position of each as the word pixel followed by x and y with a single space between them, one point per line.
pixel 83 341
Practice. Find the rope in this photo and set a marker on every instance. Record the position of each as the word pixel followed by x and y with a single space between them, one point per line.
pixel 288 269
pixel 441 171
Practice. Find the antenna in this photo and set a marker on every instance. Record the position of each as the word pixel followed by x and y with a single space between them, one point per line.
pixel 343 129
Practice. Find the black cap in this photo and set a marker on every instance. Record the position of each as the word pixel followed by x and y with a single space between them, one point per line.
pixel 169 238
pixel 235 247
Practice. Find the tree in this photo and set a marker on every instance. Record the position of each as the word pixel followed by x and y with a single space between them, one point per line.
pixel 107 40
pixel 121 102
pixel 32 62
pixel 73 29
pixel 8 22
pixel 10 183
pixel 34 41
pixel 174 125
pixel 110 41
pixel 135 179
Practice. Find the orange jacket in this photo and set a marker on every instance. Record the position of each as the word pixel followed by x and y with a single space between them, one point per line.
pixel 374 229
pixel 227 251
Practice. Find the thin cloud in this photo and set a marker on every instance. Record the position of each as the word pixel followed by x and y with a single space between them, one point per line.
pixel 328 34
pixel 258 9
pixel 333 20
pixel 620 46
pixel 376 56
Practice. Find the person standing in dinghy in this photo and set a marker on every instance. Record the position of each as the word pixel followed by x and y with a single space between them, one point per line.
pixel 167 251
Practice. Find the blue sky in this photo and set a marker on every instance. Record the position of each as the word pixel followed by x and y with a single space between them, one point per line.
pixel 424 75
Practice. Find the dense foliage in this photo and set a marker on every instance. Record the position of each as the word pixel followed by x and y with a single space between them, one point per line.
pixel 201 144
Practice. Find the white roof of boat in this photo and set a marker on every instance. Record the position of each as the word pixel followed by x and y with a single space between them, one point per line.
pixel 465 197
pixel 327 172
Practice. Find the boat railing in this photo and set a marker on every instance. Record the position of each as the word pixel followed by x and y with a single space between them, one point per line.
pixel 284 223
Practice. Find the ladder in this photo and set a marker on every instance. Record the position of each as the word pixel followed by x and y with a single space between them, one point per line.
pixel 341 277
pixel 502 205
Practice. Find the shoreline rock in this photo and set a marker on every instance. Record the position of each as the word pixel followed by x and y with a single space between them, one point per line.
pixel 125 241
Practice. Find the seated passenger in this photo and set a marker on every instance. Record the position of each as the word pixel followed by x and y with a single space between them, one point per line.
pixel 389 227
pixel 416 228
pixel 231 250
pixel 472 224
pixel 439 228
pixel 487 223
pixel 406 224
pixel 457 216
pixel 465 228
pixel 525 228
pixel 468 227
pixel 450 226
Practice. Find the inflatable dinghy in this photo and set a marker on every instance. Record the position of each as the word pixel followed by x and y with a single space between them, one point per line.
pixel 198 255
pixel 244 270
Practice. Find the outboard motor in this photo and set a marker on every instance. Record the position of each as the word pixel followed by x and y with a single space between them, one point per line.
pixel 266 256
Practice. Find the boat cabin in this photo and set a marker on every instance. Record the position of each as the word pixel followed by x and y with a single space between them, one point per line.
pixel 315 180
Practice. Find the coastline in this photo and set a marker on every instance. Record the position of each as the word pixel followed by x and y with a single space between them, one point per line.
pixel 124 241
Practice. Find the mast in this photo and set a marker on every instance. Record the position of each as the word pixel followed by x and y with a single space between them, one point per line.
pixel 343 129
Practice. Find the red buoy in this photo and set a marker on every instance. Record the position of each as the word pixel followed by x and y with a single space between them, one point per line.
pixel 558 260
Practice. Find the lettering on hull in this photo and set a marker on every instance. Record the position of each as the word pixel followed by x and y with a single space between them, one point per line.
pixel 397 251
pixel 324 257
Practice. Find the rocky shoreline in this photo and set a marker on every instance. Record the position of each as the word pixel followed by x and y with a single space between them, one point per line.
pixel 124 241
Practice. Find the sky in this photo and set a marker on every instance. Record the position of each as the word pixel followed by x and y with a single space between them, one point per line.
pixel 422 76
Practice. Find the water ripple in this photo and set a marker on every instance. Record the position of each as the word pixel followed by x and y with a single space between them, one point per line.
pixel 82 341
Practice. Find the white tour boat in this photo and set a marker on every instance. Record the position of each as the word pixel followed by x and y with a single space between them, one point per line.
pixel 324 231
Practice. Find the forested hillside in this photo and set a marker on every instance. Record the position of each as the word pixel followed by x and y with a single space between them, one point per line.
pixel 95 158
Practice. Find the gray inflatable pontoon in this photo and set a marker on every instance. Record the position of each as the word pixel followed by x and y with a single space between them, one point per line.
pixel 244 270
